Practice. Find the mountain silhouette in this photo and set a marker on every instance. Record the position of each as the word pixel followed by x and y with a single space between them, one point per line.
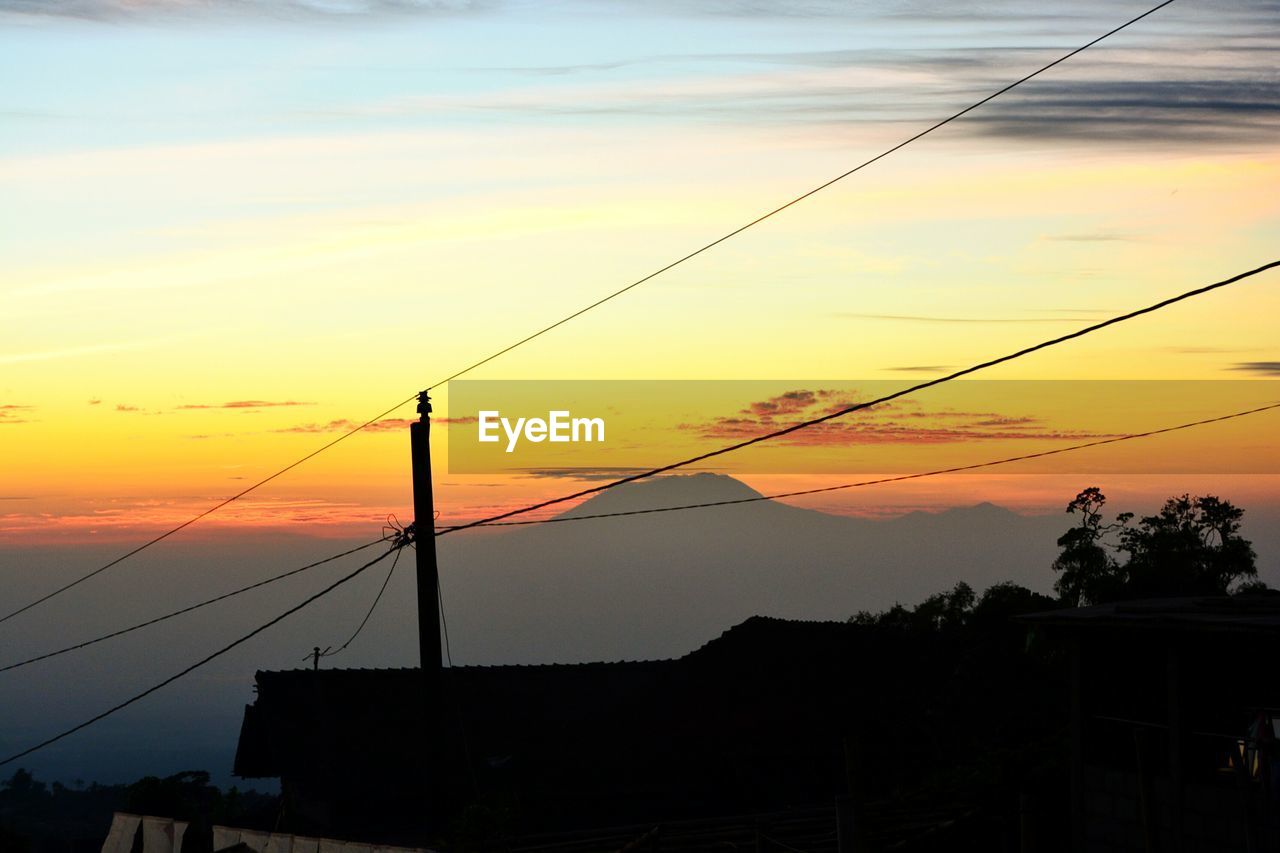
pixel 675 490
pixel 658 585
pixel 637 587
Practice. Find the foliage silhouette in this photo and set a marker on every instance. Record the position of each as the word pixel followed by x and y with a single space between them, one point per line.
pixel 1192 546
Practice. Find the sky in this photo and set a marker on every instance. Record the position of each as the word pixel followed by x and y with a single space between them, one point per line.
pixel 230 230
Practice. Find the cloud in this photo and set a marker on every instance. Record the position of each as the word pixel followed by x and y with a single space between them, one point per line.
pixel 903 59
pixel 1004 421
pixel 354 9
pixel 585 474
pixel 345 425
pixel 1212 95
pixel 177 10
pixel 124 519
pixel 844 434
pixel 1230 108
pixel 95 402
pixel 787 403
pixel 922 368
pixel 11 413
pixel 464 419
pixel 919 318
pixel 122 407
pixel 1208 82
pixel 896 422
pixel 1205 75
pixel 1262 368
pixel 244 404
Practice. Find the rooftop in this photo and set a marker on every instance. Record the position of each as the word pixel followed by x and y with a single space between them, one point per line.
pixel 1247 613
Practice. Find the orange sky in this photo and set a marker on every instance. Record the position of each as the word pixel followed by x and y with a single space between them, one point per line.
pixel 248 237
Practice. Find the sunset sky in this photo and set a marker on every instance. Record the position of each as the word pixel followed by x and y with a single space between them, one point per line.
pixel 231 230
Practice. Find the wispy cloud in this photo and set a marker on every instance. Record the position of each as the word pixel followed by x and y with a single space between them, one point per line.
pixel 1167 88
pixel 11 413
pixel 1262 368
pixel 345 425
pixel 126 519
pixel 788 403
pixel 245 404
pixel 1226 92
pixel 178 10
pixel 921 318
pixel 1224 109
pixel 898 422
pixel 585 474
pixel 921 368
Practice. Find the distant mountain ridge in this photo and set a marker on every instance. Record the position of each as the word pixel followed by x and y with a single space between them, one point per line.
pixel 661 584
pixel 668 491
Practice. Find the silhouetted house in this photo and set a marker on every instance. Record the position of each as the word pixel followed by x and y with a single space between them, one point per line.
pixel 1173 710
pixel 757 719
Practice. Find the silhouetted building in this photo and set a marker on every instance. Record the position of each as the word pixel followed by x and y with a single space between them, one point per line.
pixel 759 719
pixel 1173 732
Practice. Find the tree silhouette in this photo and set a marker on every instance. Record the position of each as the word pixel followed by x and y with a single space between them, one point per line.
pixel 946 610
pixel 1192 546
pixel 1089 574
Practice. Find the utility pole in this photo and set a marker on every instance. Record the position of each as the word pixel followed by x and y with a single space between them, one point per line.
pixel 424 519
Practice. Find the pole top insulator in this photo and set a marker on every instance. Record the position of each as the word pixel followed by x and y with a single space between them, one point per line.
pixel 424 404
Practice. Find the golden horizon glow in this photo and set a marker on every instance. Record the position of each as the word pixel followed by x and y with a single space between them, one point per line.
pixel 191 237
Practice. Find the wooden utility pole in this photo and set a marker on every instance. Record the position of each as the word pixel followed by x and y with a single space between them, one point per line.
pixel 424 518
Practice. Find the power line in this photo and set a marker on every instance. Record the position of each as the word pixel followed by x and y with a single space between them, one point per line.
pixel 1164 303
pixel 145 545
pixel 806 195
pixel 126 703
pixel 365 621
pixel 649 511
pixel 402 541
pixel 592 306
pixel 190 608
pixel 896 479
pixel 444 623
